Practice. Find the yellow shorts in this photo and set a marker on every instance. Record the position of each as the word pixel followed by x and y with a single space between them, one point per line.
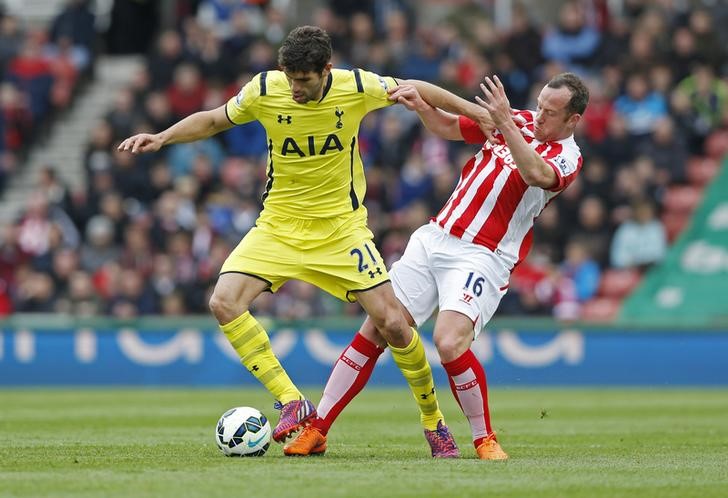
pixel 334 254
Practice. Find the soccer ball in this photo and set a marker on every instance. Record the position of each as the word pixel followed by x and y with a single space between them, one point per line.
pixel 243 431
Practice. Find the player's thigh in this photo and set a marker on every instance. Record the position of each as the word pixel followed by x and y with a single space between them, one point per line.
pixel 345 265
pixel 238 288
pixel 413 281
pixel 471 280
pixel 380 304
pixel 264 256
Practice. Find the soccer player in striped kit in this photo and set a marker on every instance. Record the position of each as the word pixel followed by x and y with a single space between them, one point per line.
pixel 460 263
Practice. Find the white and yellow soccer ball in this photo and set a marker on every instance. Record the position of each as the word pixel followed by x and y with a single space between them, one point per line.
pixel 243 431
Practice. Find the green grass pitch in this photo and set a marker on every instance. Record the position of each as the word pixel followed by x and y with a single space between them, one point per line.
pixel 563 443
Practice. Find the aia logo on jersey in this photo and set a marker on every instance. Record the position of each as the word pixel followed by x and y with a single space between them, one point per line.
pixel 311 147
pixel 467 298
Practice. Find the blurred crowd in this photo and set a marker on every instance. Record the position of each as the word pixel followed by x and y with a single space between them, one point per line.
pixel 149 233
pixel 41 72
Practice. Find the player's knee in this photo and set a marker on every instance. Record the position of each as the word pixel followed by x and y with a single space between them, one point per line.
pixel 448 346
pixel 392 326
pixel 223 307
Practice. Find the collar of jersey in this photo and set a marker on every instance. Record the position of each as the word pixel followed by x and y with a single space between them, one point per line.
pixel 329 80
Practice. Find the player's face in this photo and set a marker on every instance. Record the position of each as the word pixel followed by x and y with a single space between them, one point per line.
pixel 307 86
pixel 553 120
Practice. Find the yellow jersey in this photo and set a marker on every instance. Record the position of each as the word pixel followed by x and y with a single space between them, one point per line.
pixel 314 167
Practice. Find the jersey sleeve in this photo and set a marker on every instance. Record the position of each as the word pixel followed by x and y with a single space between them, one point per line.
pixel 566 163
pixel 471 132
pixel 375 89
pixel 524 120
pixel 242 108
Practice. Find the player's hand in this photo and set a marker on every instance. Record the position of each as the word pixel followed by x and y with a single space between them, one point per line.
pixel 143 142
pixel 487 126
pixel 408 96
pixel 496 102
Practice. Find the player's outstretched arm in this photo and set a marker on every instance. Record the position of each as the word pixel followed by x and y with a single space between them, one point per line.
pixel 533 169
pixel 196 126
pixel 441 123
pixel 447 101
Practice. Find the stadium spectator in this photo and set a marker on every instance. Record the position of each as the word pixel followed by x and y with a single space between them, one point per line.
pixel 683 53
pixel 31 72
pixel 573 41
pixel 11 39
pixel 668 149
pixel 581 269
pixel 593 226
pixel 640 106
pixel 523 43
pixel 17 118
pixel 700 101
pixel 80 299
pixel 186 94
pixel 641 241
pixel 100 248
pixel 76 23
pixel 709 48
pixel 36 292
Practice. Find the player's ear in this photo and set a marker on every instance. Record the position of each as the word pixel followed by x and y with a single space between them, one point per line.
pixel 327 69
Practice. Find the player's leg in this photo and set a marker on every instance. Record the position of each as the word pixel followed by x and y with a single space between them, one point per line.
pixel 348 377
pixel 350 374
pixel 260 255
pixel 453 337
pixel 471 282
pixel 408 352
pixel 350 267
pixel 229 304
pixel 414 286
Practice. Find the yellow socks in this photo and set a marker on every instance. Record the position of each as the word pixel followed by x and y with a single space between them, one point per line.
pixel 412 361
pixel 251 342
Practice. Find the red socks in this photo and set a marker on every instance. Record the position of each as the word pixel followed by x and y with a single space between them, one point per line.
pixel 469 386
pixel 349 376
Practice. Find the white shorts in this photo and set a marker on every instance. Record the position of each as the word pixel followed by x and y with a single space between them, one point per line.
pixel 438 270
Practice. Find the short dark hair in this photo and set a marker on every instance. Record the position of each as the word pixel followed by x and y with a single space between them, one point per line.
pixel 579 92
pixel 306 48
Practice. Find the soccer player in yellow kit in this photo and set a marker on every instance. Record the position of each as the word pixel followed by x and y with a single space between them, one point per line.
pixel 313 226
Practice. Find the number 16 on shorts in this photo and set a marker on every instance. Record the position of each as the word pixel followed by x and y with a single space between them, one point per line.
pixel 474 285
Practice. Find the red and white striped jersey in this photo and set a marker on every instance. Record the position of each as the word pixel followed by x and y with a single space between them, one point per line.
pixel 492 206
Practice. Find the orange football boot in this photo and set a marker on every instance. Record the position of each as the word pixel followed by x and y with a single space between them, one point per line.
pixel 489 449
pixel 309 442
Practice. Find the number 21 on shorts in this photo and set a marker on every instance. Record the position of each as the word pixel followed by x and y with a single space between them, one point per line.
pixel 362 265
